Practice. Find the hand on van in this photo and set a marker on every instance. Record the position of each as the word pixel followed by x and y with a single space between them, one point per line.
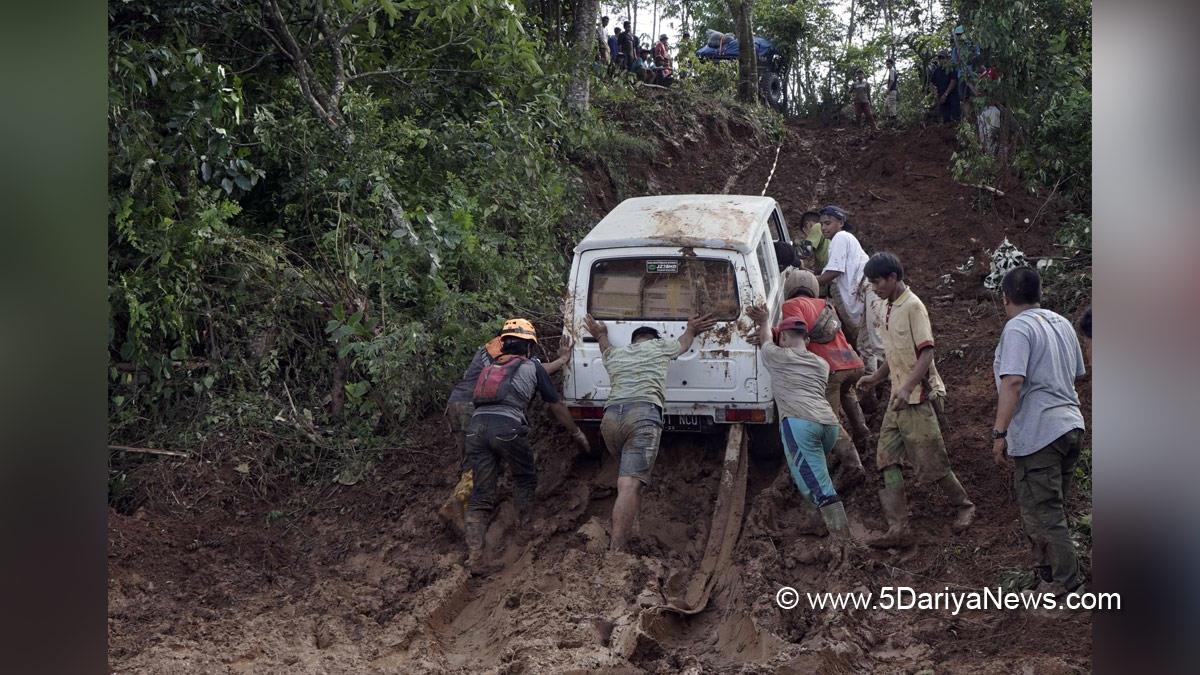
pixel 760 316
pixel 564 356
pixel 598 331
pixel 695 325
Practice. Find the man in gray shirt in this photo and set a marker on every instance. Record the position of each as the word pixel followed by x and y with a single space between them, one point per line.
pixel 499 434
pixel 1039 426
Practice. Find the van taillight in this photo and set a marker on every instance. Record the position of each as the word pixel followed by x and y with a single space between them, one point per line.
pixel 587 412
pixel 745 415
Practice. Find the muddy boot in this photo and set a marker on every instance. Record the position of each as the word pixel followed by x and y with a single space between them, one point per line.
pixel 895 509
pixel 850 470
pixel 476 532
pixel 858 427
pixel 964 509
pixel 842 542
pixel 835 519
pixel 523 532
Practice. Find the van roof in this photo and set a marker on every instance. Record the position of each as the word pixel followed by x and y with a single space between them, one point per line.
pixel 700 221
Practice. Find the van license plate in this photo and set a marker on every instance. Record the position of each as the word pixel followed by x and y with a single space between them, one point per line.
pixel 684 423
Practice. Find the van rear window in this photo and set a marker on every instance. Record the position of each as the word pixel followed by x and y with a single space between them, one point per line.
pixel 663 288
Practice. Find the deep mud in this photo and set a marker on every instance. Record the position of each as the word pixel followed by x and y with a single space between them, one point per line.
pixel 214 579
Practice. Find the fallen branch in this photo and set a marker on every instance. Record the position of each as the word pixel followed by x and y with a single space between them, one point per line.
pixel 148 451
pixel 922 175
pixel 998 193
pixel 876 196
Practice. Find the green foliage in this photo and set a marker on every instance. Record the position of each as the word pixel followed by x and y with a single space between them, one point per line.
pixel 1043 49
pixel 257 272
pixel 303 258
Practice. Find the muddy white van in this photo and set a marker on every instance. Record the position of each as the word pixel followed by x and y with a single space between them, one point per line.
pixel 655 261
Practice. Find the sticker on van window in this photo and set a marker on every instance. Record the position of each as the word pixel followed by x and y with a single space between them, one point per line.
pixel 662 266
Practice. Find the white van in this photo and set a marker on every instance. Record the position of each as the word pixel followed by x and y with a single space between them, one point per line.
pixel 654 261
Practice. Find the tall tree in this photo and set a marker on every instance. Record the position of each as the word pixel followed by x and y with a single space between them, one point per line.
pixel 743 28
pixel 583 53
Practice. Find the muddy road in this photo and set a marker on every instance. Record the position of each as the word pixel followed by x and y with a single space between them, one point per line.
pixel 365 578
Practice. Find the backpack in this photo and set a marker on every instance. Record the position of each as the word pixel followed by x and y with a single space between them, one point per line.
pixel 825 328
pixel 495 380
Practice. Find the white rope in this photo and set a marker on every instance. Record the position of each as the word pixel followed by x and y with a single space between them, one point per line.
pixel 772 174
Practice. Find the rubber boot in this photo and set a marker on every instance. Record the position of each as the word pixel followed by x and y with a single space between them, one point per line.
pixel 964 509
pixel 524 529
pixel 858 426
pixel 835 519
pixel 850 471
pixel 895 509
pixel 476 533
pixel 842 543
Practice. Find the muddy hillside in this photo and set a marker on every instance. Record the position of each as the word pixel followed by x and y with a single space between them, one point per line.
pixel 216 574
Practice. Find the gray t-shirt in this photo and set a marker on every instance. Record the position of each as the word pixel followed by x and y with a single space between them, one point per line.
pixel 530 377
pixel 798 380
pixel 1042 347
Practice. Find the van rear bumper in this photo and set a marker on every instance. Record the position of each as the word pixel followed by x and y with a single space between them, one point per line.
pixel 687 414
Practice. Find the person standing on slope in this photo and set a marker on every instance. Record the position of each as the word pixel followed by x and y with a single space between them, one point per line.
pixel 852 296
pixel 911 432
pixel 1039 427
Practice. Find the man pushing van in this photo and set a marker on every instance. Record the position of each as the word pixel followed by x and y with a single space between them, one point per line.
pixel 633 418
pixel 498 433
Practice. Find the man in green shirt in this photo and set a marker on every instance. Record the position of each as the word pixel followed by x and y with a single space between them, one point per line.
pixel 812 240
pixel 632 424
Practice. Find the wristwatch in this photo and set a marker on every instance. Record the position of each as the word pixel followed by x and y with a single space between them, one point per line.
pixel 999 434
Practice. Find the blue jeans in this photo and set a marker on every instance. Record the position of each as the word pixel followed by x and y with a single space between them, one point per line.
pixel 633 430
pixel 804 446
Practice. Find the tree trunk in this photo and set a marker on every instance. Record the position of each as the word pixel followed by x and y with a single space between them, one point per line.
pixel 850 28
pixel 743 28
pixel 891 35
pixel 583 54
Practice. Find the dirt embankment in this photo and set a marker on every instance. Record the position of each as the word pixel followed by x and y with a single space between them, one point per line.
pixel 208 577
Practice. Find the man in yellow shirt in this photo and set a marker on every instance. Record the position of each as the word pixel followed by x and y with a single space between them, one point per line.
pixel 910 433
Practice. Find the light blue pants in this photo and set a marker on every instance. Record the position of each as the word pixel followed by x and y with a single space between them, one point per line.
pixel 804 446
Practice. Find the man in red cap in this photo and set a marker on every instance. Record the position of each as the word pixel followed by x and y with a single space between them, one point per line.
pixel 807 424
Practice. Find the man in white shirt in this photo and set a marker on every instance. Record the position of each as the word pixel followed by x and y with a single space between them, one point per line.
pixel 852 296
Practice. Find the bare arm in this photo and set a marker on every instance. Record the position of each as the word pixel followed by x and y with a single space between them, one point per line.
pixel 598 331
pixel 560 412
pixel 758 313
pixel 1009 396
pixel 871 381
pixel 564 356
pixel 826 277
pixel 695 326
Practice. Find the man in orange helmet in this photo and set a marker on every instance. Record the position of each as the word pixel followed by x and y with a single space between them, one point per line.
pixel 459 410
pixel 498 432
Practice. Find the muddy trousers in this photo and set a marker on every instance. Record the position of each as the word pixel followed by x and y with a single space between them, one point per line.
pixel 842 394
pixel 805 444
pixel 1041 481
pixel 491 441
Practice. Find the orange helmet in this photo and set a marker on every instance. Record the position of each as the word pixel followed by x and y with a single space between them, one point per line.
pixel 519 328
